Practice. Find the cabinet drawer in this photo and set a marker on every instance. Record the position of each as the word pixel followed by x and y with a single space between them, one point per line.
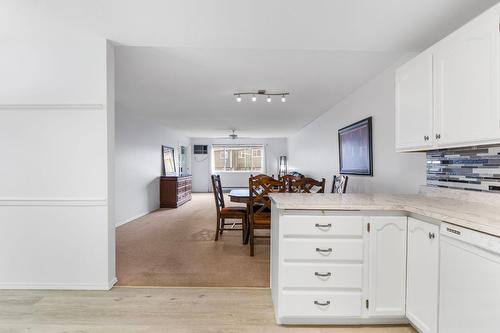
pixel 323 249
pixel 321 275
pixel 317 304
pixel 297 225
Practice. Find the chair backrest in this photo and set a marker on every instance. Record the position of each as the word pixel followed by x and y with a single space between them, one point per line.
pixel 339 184
pixel 289 182
pixel 259 189
pixel 310 185
pixel 218 194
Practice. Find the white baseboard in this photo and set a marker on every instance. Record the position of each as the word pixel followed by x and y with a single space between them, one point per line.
pixel 60 286
pixel 133 218
pixel 112 282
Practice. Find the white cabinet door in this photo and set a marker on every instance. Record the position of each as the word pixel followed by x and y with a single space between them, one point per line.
pixel 422 275
pixel 466 85
pixel 414 104
pixel 387 266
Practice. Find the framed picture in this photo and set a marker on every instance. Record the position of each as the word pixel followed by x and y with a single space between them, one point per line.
pixel 355 148
pixel 168 160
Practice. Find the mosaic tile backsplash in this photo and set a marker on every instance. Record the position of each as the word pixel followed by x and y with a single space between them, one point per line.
pixel 471 168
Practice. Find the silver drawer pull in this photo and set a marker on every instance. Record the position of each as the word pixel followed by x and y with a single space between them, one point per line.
pixel 317 225
pixel 329 250
pixel 323 274
pixel 322 303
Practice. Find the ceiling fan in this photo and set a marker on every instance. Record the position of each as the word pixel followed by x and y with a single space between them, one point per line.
pixel 233 136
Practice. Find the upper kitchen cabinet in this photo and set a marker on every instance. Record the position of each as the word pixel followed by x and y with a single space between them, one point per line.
pixel 448 96
pixel 414 104
pixel 466 75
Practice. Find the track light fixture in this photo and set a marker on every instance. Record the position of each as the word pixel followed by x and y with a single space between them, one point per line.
pixel 262 93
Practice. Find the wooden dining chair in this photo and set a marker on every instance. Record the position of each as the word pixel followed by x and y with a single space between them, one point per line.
pixel 339 184
pixel 223 212
pixel 260 205
pixel 310 185
pixel 288 182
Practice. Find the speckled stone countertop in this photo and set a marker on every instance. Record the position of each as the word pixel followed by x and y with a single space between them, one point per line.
pixel 477 216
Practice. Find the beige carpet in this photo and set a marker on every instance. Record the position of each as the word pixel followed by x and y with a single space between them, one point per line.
pixel 175 247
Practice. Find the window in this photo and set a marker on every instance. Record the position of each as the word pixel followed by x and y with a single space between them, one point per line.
pixel 238 158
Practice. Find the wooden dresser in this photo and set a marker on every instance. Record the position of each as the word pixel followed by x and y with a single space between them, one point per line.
pixel 174 191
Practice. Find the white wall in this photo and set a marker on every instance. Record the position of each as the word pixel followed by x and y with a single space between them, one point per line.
pixel 314 150
pixel 201 164
pixel 138 163
pixel 54 136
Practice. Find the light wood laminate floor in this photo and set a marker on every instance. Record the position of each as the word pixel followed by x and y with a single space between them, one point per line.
pixel 151 310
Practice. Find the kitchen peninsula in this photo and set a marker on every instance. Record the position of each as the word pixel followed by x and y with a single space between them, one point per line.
pixel 382 259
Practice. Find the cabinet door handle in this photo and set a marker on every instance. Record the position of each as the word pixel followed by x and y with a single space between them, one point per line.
pixel 438 136
pixel 329 250
pixel 317 225
pixel 322 303
pixel 323 274
pixel 426 138
pixel 432 235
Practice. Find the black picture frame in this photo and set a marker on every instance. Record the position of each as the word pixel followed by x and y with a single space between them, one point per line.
pixel 359 137
pixel 168 160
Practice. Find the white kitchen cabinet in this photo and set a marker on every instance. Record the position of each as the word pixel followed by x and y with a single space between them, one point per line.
pixel 414 104
pixel 422 275
pixel 387 266
pixel 466 85
pixel 317 267
pixel 451 92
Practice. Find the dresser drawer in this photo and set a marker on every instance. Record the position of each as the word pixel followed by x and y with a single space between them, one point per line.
pixel 306 225
pixel 322 249
pixel 318 304
pixel 321 275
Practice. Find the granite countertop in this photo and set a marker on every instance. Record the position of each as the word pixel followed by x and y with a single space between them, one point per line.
pixel 477 216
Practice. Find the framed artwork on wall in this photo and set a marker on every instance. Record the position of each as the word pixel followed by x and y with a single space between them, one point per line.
pixel 355 148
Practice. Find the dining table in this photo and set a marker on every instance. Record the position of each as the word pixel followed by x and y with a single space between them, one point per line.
pixel 241 195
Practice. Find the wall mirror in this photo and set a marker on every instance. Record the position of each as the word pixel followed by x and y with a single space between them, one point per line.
pixel 168 160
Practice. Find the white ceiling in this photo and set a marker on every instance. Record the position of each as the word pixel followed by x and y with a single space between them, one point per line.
pixel 192 89
pixel 180 61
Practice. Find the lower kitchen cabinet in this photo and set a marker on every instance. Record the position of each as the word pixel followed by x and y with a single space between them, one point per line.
pixel 338 268
pixel 422 275
pixel 387 266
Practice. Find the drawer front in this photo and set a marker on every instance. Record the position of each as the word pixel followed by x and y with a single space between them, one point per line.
pixel 321 276
pixel 323 249
pixel 297 225
pixel 318 304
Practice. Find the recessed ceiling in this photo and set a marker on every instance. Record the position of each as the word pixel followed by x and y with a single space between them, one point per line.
pixel 180 61
pixel 192 89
